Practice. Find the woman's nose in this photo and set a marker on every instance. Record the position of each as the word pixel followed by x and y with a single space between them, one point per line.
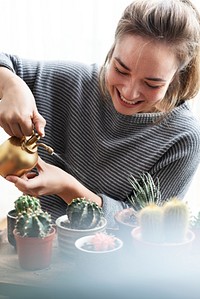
pixel 131 90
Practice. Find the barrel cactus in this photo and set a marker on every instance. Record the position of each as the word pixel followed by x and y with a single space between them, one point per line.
pixel 31 220
pixel 26 203
pixel 33 224
pixel 83 214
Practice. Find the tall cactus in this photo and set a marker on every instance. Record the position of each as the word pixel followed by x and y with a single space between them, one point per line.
pixel 150 221
pixel 84 214
pixel 175 220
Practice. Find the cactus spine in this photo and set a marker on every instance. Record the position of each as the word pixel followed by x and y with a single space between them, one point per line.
pixel 150 220
pixel 83 214
pixel 175 220
pixel 31 220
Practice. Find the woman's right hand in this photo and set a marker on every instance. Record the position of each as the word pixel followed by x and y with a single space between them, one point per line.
pixel 18 111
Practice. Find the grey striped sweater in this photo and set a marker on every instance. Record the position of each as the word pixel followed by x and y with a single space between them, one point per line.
pixel 101 147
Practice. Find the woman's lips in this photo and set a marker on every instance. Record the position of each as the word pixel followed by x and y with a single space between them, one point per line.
pixel 130 103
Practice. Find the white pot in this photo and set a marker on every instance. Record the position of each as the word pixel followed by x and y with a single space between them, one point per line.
pixel 97 262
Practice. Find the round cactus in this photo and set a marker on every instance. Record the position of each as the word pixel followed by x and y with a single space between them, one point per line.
pixel 84 214
pixel 175 220
pixel 103 242
pixel 33 224
pixel 27 203
pixel 150 221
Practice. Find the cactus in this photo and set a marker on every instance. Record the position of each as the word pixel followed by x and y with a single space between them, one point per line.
pixel 31 220
pixel 33 224
pixel 144 191
pixel 150 221
pixel 27 203
pixel 175 220
pixel 83 214
pixel 102 242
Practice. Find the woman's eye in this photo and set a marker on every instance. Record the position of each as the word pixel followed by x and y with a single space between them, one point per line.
pixel 153 86
pixel 120 72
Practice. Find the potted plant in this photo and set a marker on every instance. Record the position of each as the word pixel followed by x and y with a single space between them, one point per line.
pixel 144 191
pixel 99 252
pixel 24 202
pixel 195 227
pixel 163 231
pixel 83 217
pixel 34 234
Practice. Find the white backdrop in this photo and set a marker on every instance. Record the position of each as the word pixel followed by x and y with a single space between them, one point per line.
pixel 61 29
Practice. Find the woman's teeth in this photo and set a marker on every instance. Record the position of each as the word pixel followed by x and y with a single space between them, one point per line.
pixel 128 102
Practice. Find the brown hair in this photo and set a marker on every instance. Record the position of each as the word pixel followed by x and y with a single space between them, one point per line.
pixel 175 23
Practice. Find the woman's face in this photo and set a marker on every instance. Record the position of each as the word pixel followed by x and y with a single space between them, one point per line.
pixel 139 74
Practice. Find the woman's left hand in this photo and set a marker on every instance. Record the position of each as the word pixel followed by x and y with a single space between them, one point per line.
pixel 49 180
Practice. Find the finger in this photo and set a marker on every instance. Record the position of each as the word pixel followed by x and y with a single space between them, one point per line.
pixel 12 178
pixel 39 124
pixel 16 130
pixel 26 126
pixel 24 185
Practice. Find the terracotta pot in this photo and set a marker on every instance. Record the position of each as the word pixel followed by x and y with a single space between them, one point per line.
pixel 34 253
pixel 161 251
pixel 68 236
pixel 11 220
pixel 126 221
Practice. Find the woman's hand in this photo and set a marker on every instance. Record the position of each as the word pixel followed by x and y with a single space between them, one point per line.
pixel 18 111
pixel 52 180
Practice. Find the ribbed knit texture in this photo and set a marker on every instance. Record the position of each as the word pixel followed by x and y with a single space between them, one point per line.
pixel 101 147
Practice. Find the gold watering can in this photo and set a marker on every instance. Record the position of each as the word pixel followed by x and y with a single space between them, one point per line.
pixel 19 155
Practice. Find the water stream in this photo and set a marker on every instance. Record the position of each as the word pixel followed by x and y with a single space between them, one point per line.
pixel 69 167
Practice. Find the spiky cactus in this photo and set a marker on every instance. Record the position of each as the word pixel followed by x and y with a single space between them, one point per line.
pixel 31 220
pixel 150 221
pixel 144 191
pixel 26 203
pixel 175 220
pixel 33 224
pixel 103 242
pixel 83 214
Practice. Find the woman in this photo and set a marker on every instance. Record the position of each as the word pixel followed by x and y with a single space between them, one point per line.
pixel 130 117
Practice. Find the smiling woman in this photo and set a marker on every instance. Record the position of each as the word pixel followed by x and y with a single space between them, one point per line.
pixel 130 116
